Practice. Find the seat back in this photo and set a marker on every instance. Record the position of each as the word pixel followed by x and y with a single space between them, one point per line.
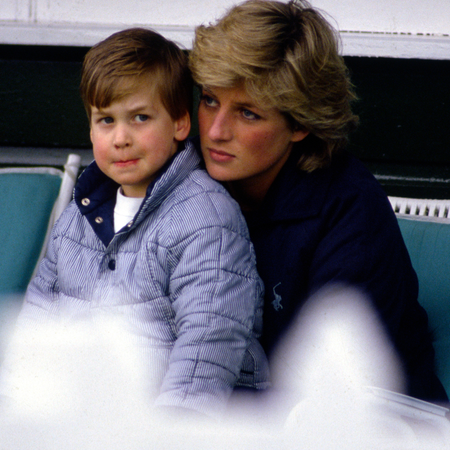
pixel 26 204
pixel 428 243
pixel 31 200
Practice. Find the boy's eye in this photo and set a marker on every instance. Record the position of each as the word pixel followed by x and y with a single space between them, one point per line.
pixel 106 120
pixel 141 118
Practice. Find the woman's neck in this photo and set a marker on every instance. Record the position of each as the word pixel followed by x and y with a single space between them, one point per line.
pixel 251 191
pixel 249 195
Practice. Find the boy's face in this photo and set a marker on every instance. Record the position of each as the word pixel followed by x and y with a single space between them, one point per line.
pixel 134 137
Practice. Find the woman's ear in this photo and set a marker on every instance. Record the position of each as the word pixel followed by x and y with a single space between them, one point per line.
pixel 299 134
pixel 182 127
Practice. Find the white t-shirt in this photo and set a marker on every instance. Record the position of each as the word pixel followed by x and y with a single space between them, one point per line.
pixel 125 210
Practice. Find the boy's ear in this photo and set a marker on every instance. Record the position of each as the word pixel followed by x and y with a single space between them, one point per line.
pixel 182 127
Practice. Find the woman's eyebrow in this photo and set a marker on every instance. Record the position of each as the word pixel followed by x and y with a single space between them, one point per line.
pixel 246 105
pixel 207 90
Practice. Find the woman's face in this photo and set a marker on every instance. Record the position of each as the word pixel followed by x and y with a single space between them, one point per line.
pixel 242 143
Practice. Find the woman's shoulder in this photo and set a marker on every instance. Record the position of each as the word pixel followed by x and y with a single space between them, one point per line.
pixel 349 178
pixel 351 172
pixel 356 200
pixel 299 194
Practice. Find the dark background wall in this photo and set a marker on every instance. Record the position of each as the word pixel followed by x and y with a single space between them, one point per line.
pixel 404 134
pixel 404 107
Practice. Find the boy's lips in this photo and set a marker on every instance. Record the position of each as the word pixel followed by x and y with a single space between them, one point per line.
pixel 219 155
pixel 125 163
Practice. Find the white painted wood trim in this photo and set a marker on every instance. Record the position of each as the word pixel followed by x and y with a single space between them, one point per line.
pixel 395 45
pixel 353 43
pixel 79 35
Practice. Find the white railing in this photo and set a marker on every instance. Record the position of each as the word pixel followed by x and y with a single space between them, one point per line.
pixel 421 207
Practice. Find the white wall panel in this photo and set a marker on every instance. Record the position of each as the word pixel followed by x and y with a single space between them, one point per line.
pixel 395 28
pixel 16 9
pixel 8 10
pixel 390 16
pixel 159 12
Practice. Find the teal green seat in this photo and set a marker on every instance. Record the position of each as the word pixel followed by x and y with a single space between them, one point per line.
pixel 26 203
pixel 31 200
pixel 428 243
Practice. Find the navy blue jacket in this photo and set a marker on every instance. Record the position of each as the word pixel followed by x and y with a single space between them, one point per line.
pixel 336 225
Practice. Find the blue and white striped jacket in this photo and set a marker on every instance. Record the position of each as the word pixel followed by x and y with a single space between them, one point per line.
pixel 182 274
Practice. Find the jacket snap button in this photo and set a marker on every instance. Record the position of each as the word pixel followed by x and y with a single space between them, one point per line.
pixel 99 220
pixel 85 202
pixel 112 264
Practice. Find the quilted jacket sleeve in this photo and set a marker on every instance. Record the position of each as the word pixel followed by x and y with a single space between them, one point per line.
pixel 216 295
pixel 41 299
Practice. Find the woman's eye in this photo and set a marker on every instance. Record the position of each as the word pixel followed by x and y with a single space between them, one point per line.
pixel 249 114
pixel 208 100
pixel 141 118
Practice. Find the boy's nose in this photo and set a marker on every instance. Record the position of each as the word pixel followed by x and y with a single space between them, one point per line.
pixel 122 137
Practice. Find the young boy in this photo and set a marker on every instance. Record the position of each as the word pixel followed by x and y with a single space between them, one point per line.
pixel 151 238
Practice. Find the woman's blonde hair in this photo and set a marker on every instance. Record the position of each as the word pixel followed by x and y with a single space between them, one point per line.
pixel 286 54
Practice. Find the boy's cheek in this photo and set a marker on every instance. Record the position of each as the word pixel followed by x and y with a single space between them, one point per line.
pixel 98 141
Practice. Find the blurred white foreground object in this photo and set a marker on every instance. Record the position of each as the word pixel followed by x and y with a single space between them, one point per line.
pixel 334 351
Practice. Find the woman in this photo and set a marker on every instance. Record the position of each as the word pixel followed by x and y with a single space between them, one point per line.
pixel 274 117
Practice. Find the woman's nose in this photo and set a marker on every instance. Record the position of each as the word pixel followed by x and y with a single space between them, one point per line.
pixel 221 127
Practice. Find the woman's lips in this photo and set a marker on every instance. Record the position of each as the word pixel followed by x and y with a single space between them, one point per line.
pixel 219 155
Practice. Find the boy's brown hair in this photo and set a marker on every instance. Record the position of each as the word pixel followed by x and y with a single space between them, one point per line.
pixel 114 67
pixel 286 55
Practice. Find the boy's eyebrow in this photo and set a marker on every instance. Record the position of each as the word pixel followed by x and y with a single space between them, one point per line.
pixel 133 110
pixel 97 110
pixel 139 108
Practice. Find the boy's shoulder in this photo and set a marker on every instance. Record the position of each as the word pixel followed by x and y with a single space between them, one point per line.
pixel 189 173
pixel 199 194
pixel 194 196
pixel 71 220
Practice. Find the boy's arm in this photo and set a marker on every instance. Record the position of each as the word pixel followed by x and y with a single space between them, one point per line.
pixel 216 293
pixel 40 303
